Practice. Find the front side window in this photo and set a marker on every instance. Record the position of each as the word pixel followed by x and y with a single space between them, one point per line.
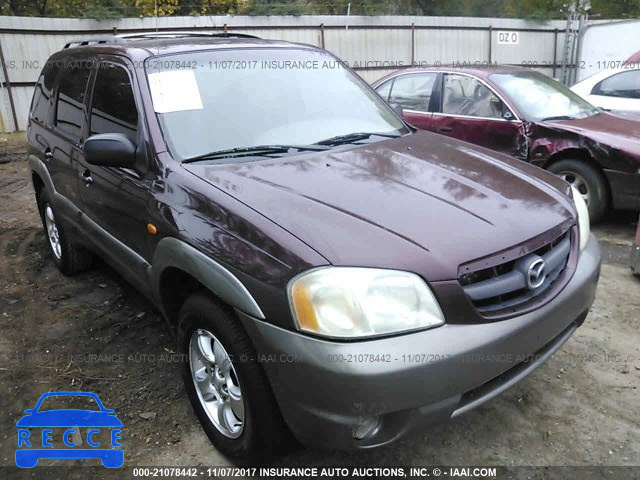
pixel 413 91
pixel 624 85
pixel 69 110
pixel 539 97
pixel 113 107
pixel 216 100
pixel 468 96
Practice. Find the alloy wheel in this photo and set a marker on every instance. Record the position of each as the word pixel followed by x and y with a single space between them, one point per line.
pixel 578 182
pixel 52 231
pixel 216 383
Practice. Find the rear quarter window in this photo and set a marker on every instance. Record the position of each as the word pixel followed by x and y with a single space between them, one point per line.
pixel 43 92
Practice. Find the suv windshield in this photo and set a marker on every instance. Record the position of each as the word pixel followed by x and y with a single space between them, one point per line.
pixel 220 100
pixel 539 97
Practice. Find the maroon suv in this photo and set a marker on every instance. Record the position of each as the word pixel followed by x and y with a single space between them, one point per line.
pixel 330 273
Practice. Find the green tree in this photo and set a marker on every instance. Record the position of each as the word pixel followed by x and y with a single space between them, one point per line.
pixel 536 9
pixel 275 7
pixel 530 9
pixel 617 9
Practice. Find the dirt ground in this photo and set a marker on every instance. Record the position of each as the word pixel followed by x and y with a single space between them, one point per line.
pixel 581 408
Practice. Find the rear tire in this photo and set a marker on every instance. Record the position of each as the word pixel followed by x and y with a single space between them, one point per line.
pixel 67 256
pixel 227 387
pixel 588 181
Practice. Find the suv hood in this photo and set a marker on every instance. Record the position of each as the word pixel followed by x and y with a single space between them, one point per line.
pixel 423 202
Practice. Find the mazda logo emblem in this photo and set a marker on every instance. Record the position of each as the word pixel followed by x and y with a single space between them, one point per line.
pixel 536 274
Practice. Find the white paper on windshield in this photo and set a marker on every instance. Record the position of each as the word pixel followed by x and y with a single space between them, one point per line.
pixel 174 91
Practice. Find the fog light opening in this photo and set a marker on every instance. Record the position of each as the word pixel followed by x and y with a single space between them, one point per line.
pixel 367 427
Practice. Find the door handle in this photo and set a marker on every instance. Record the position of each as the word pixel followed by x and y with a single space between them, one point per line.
pixel 48 154
pixel 445 130
pixel 86 176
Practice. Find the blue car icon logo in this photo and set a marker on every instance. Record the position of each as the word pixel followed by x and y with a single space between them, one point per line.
pixel 71 429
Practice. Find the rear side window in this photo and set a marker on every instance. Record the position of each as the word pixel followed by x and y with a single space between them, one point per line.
pixel 71 95
pixel 625 85
pixel 113 108
pixel 43 91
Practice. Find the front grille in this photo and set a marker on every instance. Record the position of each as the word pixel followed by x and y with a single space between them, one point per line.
pixel 511 284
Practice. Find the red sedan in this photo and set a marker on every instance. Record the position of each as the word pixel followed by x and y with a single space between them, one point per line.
pixel 530 116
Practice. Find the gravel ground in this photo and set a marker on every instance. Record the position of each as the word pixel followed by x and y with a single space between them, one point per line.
pixel 582 408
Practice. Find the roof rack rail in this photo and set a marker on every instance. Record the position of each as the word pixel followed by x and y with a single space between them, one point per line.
pixel 94 41
pixel 183 34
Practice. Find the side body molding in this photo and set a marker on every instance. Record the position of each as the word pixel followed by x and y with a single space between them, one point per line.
pixel 172 252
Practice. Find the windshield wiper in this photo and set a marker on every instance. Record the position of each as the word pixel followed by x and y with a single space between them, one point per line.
pixel 558 117
pixel 253 151
pixel 354 137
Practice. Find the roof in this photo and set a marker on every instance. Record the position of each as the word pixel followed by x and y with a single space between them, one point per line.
pixel 162 43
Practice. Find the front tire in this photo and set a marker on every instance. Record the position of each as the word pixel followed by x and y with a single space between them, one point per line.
pixel 67 256
pixel 225 383
pixel 588 181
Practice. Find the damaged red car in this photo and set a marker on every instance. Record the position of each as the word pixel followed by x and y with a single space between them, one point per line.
pixel 530 116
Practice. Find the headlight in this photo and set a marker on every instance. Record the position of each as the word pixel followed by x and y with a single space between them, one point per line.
pixel 583 217
pixel 344 302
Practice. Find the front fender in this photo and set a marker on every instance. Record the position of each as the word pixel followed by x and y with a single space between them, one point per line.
pixel 171 252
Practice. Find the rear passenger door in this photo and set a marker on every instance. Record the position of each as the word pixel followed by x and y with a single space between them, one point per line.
pixel 414 93
pixel 115 200
pixel 62 148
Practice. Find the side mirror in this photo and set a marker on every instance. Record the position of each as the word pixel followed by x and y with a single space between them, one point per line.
pixel 110 150
pixel 29 411
pixel 398 109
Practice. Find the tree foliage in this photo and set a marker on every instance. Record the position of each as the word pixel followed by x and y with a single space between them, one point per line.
pixel 530 9
pixel 103 9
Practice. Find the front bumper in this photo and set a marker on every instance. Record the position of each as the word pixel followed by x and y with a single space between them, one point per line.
pixel 325 389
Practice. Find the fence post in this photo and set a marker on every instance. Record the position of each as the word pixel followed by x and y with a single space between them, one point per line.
pixel 7 83
pixel 413 44
pixel 490 42
pixel 555 51
pixel 322 35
